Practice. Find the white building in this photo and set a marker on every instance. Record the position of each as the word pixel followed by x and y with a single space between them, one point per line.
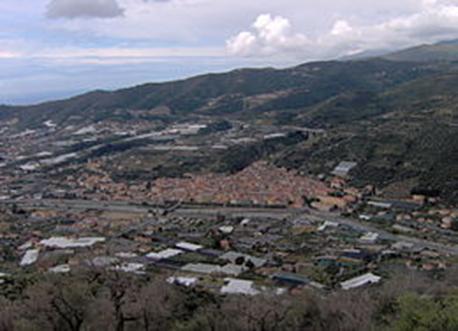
pixel 188 246
pixel 63 242
pixel 366 279
pixel 165 254
pixel 30 257
pixel 238 286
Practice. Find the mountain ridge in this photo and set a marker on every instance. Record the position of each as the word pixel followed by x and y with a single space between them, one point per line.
pixel 445 51
pixel 390 116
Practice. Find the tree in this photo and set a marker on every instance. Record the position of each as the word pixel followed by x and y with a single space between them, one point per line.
pixel 240 313
pixel 58 303
pixel 425 313
pixel 7 315
pixel 156 305
pixel 120 290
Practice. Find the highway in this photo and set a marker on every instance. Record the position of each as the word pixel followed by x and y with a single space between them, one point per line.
pixel 355 224
pixel 134 208
pixel 213 211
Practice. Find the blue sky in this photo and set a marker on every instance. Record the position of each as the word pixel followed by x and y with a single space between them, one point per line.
pixel 57 48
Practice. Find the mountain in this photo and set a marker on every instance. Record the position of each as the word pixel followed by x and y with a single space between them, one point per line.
pixel 396 116
pixel 240 93
pixel 440 52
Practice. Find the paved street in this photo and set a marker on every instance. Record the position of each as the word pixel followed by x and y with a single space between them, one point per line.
pixel 127 207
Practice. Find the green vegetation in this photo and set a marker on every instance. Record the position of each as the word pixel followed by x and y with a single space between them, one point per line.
pixel 396 116
pixel 92 300
pixel 426 313
pixel 445 51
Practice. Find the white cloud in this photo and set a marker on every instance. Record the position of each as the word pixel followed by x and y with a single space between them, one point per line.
pixel 12 48
pixel 84 8
pixel 432 21
pixel 193 34
pixel 8 55
pixel 242 44
pixel 212 22
pixel 341 27
pixel 124 54
pixel 270 35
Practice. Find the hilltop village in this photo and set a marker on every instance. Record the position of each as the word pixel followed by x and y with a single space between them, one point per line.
pixel 189 203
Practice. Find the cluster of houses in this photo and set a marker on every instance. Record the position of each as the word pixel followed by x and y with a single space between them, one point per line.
pixel 223 254
pixel 249 255
pixel 260 184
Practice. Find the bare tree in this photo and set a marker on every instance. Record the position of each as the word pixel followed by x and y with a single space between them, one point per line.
pixel 156 303
pixel 121 290
pixel 58 303
pixel 7 315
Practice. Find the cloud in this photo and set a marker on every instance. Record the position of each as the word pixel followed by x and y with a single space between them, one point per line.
pixel 271 35
pixel 84 8
pixel 123 54
pixel 8 55
pixel 341 27
pixel 193 33
pixel 432 21
pixel 242 44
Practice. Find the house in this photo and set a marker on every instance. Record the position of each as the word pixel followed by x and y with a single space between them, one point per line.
pixel 344 168
pixel 211 252
pixel 403 246
pixel 2 277
pixel 201 268
pixel 402 229
pixel 369 238
pixel 328 224
pixel 234 257
pixel 136 268
pixel 63 242
pixel 103 261
pixel 226 229
pixel 357 254
pixel 405 206
pixel 60 269
pixel 326 261
pixel 183 281
pixel 165 254
pixel 30 257
pixel 232 269
pixel 380 204
pixel 364 217
pixel 238 286
pixel 366 279
pixel 291 279
pixel 188 246
pixel 330 203
pixel 245 222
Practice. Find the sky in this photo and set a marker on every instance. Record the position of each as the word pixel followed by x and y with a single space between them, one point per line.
pixel 51 49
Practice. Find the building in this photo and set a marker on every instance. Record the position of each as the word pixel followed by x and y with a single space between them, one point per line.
pixel 344 168
pixel 366 279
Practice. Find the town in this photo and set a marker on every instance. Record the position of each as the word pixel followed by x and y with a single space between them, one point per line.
pixel 258 229
pixel 201 165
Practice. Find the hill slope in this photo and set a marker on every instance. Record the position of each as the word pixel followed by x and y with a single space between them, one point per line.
pixel 239 93
pixel 441 52
pixel 398 119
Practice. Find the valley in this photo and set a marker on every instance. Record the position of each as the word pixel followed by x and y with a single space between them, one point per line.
pixel 323 178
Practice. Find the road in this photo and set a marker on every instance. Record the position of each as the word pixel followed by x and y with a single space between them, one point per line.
pixel 418 242
pixel 133 208
pixel 269 213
